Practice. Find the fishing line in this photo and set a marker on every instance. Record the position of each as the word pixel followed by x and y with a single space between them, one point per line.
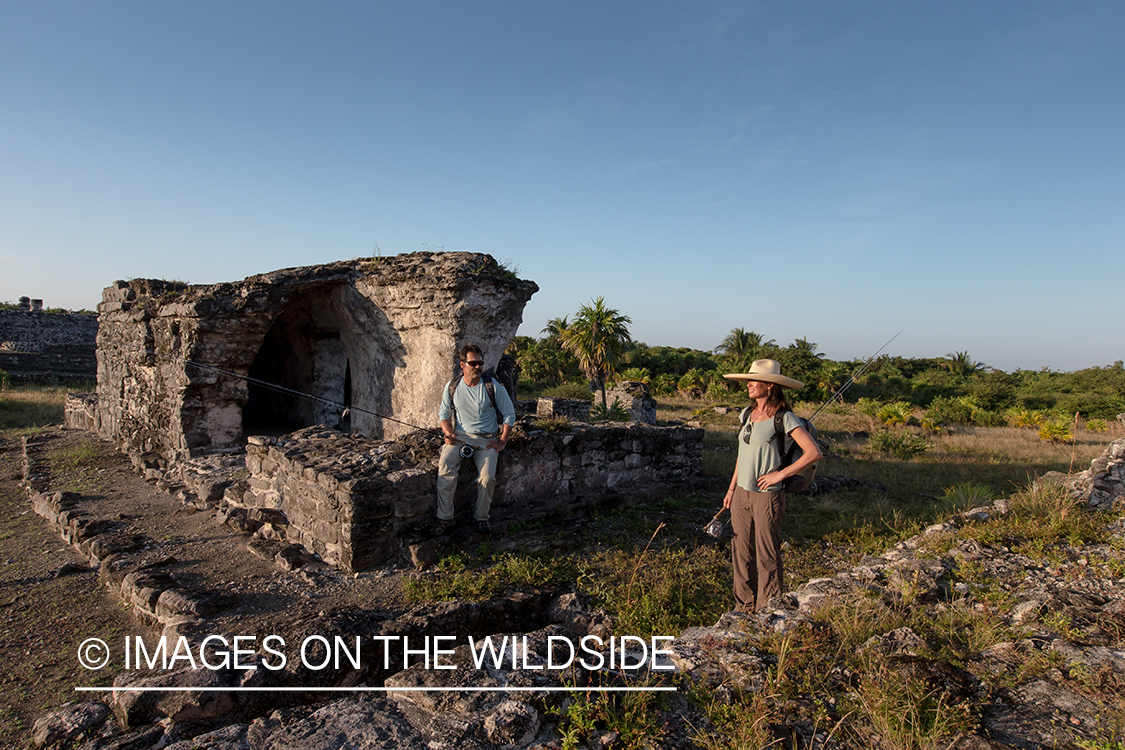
pixel 466 449
pixel 301 394
pixel 855 375
pixel 343 408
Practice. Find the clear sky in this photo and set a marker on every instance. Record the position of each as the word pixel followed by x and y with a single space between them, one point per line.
pixel 838 171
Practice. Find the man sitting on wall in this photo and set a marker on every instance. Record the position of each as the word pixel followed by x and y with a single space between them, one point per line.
pixel 474 407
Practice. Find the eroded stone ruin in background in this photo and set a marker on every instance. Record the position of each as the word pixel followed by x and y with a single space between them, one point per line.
pixel 38 344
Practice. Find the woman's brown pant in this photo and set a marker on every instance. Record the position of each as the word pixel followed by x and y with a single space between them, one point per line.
pixel 755 518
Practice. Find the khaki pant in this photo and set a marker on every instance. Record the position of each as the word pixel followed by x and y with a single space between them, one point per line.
pixel 755 519
pixel 449 463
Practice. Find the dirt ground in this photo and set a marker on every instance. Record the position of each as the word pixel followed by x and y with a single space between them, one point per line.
pixel 44 618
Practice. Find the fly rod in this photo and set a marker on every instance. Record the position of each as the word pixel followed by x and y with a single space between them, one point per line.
pixel 855 375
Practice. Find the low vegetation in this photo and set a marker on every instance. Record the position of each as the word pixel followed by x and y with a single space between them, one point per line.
pixel 30 405
pixel 654 571
pixel 950 390
pixel 920 444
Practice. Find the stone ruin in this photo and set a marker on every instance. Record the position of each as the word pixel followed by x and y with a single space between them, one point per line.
pixel 373 342
pixel 1102 486
pixel 378 335
pixel 358 503
pixel 633 397
pixel 34 343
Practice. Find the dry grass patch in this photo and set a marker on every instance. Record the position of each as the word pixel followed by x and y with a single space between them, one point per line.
pixel 32 406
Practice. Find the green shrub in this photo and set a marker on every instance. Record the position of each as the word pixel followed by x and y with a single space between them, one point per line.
pixel 969 495
pixel 895 413
pixel 869 406
pixel 945 410
pixel 634 375
pixel 905 712
pixel 664 384
pixel 1096 425
pixel 1020 416
pixel 615 412
pixel 719 390
pixel 693 383
pixel 553 424
pixel 900 445
pixel 1056 431
pixel 986 418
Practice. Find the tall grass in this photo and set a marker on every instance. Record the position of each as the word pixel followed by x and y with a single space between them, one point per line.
pixel 29 405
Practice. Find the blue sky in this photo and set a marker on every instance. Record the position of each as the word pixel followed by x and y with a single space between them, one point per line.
pixel 828 170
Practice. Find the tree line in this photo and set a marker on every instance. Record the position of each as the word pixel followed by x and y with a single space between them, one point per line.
pixel 581 354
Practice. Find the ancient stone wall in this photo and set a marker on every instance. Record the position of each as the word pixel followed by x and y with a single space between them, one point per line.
pixel 356 501
pixel 1102 486
pixel 635 399
pixel 36 343
pixel 181 369
pixel 572 408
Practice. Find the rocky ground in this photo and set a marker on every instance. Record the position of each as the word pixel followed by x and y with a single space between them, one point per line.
pixel 166 568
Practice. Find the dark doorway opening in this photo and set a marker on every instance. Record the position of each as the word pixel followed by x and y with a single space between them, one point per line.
pixel 303 353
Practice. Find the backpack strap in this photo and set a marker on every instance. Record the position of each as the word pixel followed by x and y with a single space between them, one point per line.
pixel 779 436
pixel 778 426
pixel 454 381
pixel 489 387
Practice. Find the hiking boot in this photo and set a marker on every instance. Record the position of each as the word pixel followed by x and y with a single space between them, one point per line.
pixel 484 527
pixel 441 527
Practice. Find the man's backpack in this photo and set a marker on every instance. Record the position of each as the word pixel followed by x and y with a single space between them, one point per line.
pixel 801 481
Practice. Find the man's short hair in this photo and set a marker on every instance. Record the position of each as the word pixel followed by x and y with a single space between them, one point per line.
pixel 467 348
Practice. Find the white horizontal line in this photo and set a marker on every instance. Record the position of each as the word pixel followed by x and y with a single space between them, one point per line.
pixel 374 689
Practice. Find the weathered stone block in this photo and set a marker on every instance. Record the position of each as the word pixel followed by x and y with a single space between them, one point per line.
pixel 409 506
pixel 637 460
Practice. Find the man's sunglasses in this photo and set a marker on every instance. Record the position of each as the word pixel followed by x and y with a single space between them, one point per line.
pixel 473 362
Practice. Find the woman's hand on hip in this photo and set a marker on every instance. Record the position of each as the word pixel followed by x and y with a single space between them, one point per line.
pixel 769 480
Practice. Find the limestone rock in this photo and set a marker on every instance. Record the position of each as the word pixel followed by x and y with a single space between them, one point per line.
pixel 1103 484
pixel 353 723
pixel 898 641
pixel 232 737
pixel 135 708
pixel 635 399
pixel 511 724
pixel 68 722
pixel 424 553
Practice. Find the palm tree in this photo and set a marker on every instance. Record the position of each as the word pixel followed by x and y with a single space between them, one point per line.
pixel 596 337
pixel 962 365
pixel 739 343
pixel 555 327
pixel 806 348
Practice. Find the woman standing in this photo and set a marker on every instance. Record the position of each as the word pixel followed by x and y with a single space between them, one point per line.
pixel 756 497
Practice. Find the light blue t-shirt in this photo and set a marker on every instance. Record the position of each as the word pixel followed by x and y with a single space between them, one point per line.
pixel 475 414
pixel 761 456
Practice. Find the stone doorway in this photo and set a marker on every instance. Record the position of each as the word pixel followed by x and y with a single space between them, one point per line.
pixel 305 352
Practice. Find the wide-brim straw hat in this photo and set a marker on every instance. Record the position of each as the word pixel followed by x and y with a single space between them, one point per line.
pixel 767 370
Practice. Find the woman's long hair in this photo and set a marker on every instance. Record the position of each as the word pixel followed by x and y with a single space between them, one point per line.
pixel 776 400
